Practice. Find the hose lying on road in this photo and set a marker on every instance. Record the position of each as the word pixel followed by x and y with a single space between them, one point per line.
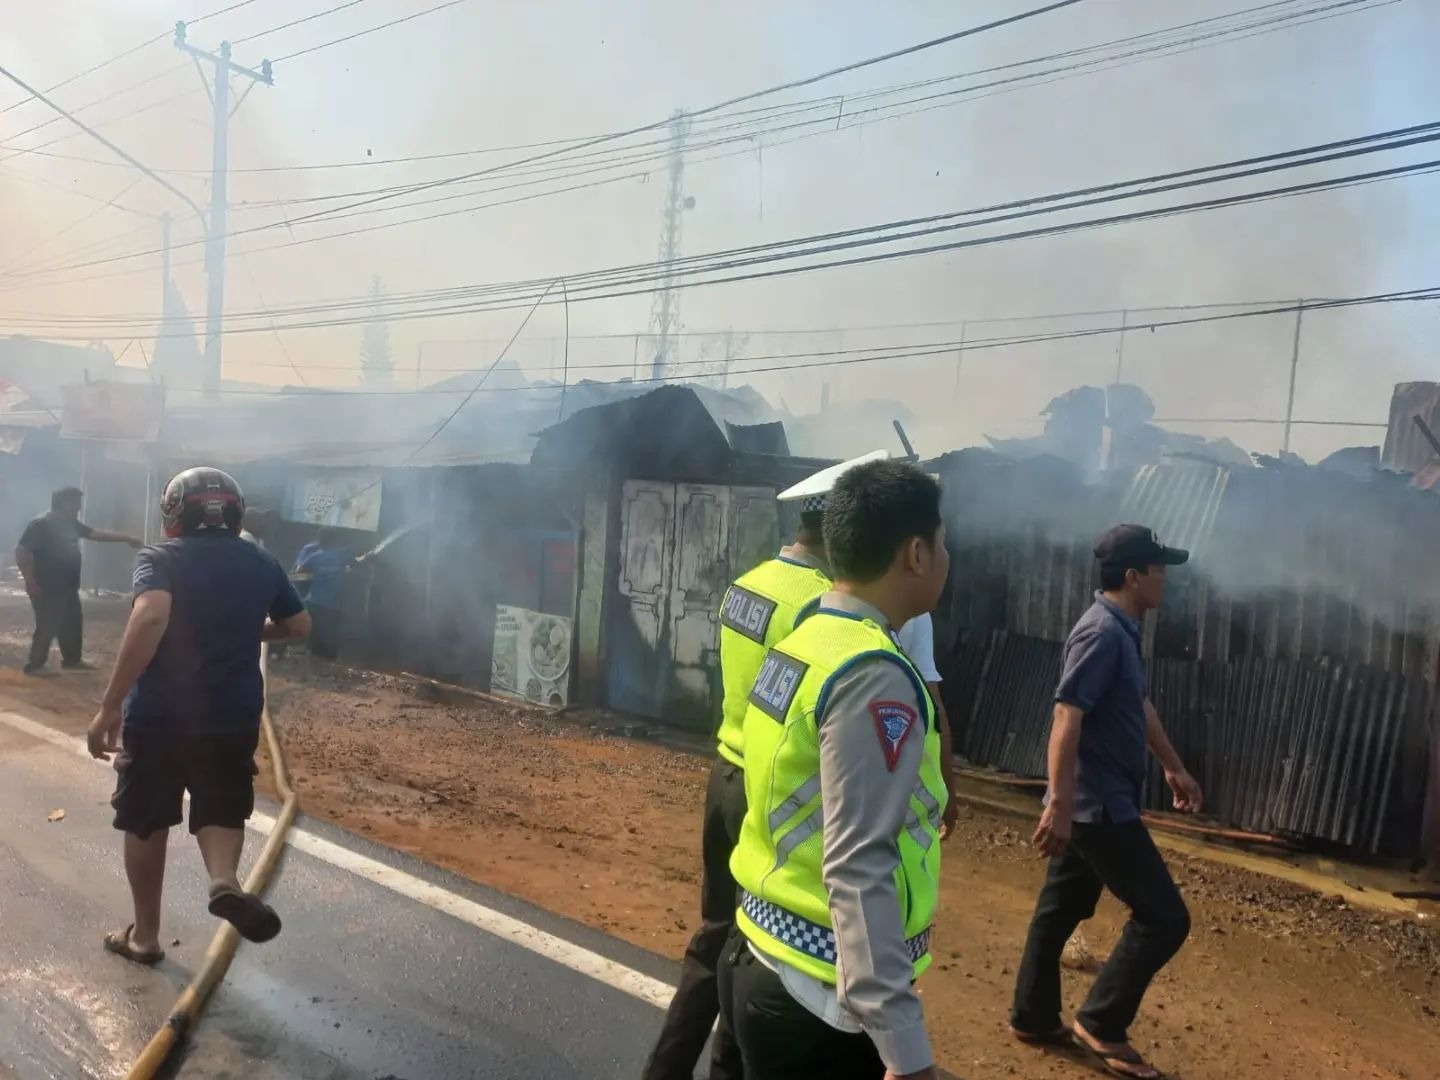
pixel 192 999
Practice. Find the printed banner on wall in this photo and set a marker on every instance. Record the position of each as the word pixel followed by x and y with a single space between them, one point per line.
pixel 107 410
pixel 342 498
pixel 531 656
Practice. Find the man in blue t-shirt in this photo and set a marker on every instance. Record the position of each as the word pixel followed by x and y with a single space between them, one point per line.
pixel 182 710
pixel 1091 829
pixel 320 569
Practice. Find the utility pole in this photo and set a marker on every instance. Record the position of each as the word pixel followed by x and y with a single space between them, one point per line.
pixel 219 189
pixel 1294 367
pixel 665 312
pixel 1120 347
pixel 164 261
pixel 960 359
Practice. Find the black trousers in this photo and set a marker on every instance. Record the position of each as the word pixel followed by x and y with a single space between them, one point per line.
pixel 696 1003
pixel 779 1038
pixel 1123 859
pixel 57 615
pixel 327 631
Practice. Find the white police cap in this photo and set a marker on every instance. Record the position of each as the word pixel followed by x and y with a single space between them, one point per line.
pixel 811 491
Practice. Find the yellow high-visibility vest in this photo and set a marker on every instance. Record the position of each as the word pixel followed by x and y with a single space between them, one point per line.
pixel 760 610
pixel 784 908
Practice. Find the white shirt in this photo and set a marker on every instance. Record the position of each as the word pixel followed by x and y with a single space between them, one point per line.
pixel 917 640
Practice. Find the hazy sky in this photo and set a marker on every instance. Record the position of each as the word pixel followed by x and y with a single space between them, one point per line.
pixel 492 73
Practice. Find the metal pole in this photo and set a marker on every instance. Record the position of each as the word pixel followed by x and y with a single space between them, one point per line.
pixel 215 242
pixel 219 191
pixel 164 265
pixel 960 358
pixel 1120 348
pixel 1294 367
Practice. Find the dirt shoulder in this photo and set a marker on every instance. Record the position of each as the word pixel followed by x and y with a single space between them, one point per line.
pixel 1276 981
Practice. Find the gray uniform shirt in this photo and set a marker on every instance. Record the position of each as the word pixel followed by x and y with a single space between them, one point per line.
pixel 865 803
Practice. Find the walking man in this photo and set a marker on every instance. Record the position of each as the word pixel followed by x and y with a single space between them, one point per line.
pixel 760 609
pixel 1091 828
pixel 48 556
pixel 182 710
pixel 839 854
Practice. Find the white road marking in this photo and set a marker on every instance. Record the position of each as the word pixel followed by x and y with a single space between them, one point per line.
pixel 556 949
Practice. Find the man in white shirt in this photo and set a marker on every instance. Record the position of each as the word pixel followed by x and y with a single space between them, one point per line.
pixel 917 639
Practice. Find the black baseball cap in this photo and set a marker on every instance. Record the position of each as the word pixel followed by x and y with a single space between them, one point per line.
pixel 1135 547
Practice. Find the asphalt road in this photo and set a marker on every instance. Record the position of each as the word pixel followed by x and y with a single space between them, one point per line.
pixel 364 982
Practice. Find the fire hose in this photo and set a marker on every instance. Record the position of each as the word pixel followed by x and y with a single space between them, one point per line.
pixel 192 1000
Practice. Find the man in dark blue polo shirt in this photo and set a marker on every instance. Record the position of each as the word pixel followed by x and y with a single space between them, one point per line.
pixel 1091 828
pixel 182 711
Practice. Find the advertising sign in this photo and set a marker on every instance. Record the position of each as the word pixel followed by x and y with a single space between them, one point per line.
pixel 342 498
pixel 531 656
pixel 128 412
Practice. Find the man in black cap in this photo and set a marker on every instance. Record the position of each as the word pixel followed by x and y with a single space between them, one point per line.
pixel 1091 828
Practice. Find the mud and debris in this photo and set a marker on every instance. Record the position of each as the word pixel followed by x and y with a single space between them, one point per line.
pixel 1276 982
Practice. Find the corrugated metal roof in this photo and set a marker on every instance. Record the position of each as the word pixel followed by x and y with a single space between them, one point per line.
pixel 1179 501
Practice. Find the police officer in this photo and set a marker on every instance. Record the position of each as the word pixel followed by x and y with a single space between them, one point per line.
pixel 760 609
pixel 838 893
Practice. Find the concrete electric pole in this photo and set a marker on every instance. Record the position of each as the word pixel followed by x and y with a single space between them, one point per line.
pixel 219 190
pixel 665 312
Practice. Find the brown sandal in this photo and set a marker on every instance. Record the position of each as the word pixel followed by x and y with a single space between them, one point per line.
pixel 118 942
pixel 1114 1062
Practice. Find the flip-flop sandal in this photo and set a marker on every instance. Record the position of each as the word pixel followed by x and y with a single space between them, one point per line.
pixel 118 942
pixel 252 917
pixel 1110 1060
pixel 1060 1036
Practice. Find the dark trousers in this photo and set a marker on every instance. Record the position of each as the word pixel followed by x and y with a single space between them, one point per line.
pixel 695 1005
pixel 1123 859
pixel 779 1038
pixel 327 629
pixel 57 615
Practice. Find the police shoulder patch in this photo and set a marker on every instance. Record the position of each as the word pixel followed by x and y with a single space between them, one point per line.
pixel 777 683
pixel 747 613
pixel 894 720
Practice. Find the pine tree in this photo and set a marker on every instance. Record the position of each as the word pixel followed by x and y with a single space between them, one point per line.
pixel 377 362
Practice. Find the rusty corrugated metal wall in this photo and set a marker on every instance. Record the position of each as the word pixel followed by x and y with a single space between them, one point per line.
pixel 1311 749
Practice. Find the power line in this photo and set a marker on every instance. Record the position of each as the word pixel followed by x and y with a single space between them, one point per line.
pixel 121 56
pixel 889 232
pixel 1273 22
pixel 608 289
pixel 619 288
pixel 333 213
pixel 167 72
pixel 481 382
pixel 730 103
pixel 372 30
pixel 108 204
pixel 1428 293
pixel 21 152
pixel 106 142
pixel 297 22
